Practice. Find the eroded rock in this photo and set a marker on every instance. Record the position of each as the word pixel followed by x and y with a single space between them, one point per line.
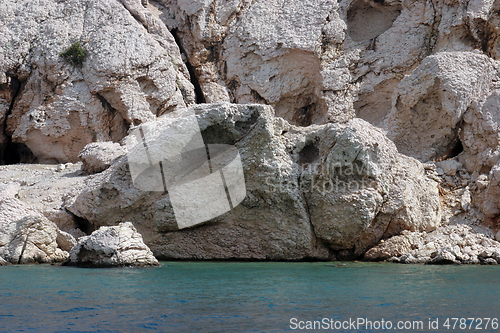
pixel 429 103
pixel 26 236
pixel 490 198
pixel 131 73
pixel 288 214
pixel 447 245
pixel 114 246
pixel 98 156
pixel 480 134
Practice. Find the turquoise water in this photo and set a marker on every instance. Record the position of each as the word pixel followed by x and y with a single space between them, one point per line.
pixel 242 297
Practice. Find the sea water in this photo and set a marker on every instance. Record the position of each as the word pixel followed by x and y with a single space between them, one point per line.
pixel 249 297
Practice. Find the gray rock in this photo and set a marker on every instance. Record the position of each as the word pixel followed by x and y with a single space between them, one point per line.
pixel 271 223
pixel 26 236
pixel 288 214
pixel 361 194
pixel 444 256
pixel 115 246
pixel 65 241
pixel 98 156
pixel 395 248
pixel 132 72
pixel 489 261
pixel 488 200
pixel 429 103
pixel 446 245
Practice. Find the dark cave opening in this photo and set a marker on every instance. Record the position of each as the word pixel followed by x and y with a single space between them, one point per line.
pixel 83 224
pixel 15 153
pixel 453 151
pixel 456 149
pixel 200 98
pixel 12 152
pixel 303 116
pixel 308 155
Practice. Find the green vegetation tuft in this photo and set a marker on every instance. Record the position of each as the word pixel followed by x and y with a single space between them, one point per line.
pixel 75 55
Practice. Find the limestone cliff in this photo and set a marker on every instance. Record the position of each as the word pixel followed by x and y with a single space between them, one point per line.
pixel 398 97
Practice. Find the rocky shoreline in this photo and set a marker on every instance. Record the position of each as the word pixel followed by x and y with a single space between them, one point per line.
pixel 403 223
pixel 365 130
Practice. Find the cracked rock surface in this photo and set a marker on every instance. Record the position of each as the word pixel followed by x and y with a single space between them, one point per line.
pixel 369 118
pixel 317 192
pixel 116 246
pixel 132 72
pixel 26 236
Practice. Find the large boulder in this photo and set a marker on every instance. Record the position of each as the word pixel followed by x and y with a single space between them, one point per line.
pixel 115 246
pixel 362 190
pixel 26 236
pixel 296 206
pixel 489 199
pixel 267 225
pixel 124 68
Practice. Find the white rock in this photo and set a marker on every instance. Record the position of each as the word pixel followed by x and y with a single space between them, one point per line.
pixel 449 167
pixel 444 256
pixel 9 190
pixel 121 245
pixel 132 72
pixel 429 103
pixel 466 200
pixel 447 244
pixel 98 156
pixel 65 241
pixel 26 236
pixel 378 192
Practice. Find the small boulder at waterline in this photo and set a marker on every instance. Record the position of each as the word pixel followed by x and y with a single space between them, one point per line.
pixel 113 246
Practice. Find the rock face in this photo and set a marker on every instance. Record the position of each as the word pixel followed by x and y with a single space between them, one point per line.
pixel 43 188
pixel 447 245
pixel 311 193
pixel 316 61
pixel 26 236
pixel 251 51
pixel 480 134
pixel 98 156
pixel 131 73
pixel 115 246
pixel 429 103
pixel 78 77
pixel 312 60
